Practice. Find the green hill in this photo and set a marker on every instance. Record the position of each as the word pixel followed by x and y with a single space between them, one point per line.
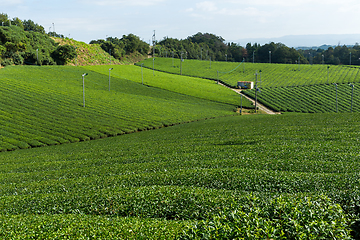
pixel 93 54
pixel 44 106
pixel 282 87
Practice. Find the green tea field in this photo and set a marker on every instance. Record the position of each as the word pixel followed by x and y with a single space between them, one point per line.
pixel 242 177
pixel 282 87
pixel 45 105
pixel 272 75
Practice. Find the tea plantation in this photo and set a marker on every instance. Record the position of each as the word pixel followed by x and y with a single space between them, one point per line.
pixel 45 106
pixel 242 177
pixel 282 87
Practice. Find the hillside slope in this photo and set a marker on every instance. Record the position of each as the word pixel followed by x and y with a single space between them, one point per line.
pixel 42 106
pixel 93 54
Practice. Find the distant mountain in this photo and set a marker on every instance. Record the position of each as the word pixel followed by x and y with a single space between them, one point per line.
pixel 297 41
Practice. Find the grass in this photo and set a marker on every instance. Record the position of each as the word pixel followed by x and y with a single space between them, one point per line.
pixel 87 54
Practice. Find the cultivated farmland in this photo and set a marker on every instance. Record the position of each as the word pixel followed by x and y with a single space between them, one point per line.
pixel 272 75
pixel 44 106
pixel 284 87
pixel 284 177
pixel 192 86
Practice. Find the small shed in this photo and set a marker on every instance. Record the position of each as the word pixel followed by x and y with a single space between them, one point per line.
pixel 245 84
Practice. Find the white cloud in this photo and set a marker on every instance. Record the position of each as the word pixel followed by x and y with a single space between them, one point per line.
pixel 11 2
pixel 142 3
pixel 206 6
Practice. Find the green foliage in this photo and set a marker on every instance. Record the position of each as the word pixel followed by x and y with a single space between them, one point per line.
pixel 127 45
pixel 74 226
pixel 53 98
pixel 293 166
pixel 21 47
pixel 63 53
pixel 29 25
pixel 284 217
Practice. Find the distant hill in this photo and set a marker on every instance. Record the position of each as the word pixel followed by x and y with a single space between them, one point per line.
pixel 314 40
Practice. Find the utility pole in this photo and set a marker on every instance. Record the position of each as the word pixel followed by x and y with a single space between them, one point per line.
pixel 336 96
pixel 352 95
pixel 109 77
pixel 350 58
pixel 85 74
pixel 240 103
pixel 256 75
pixel 153 40
pixel 269 56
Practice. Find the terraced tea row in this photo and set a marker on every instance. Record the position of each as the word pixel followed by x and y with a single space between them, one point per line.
pixel 44 106
pixel 192 86
pixel 185 174
pixel 313 99
pixel 270 75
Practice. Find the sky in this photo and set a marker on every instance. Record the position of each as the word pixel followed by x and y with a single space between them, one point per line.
pixel 86 20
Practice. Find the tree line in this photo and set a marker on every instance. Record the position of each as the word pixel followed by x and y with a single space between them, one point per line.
pixel 206 46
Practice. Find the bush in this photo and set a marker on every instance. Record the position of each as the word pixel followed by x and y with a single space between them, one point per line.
pixel 284 217
pixel 63 53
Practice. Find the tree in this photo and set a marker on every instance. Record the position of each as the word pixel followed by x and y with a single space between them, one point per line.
pixel 29 25
pixel 63 53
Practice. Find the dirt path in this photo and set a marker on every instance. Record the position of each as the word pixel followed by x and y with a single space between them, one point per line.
pixel 260 106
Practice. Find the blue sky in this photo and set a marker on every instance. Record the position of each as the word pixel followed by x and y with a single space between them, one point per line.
pixel 85 20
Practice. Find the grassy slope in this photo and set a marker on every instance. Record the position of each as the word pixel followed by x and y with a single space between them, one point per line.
pixel 284 87
pixel 93 54
pixel 88 54
pixel 44 106
pixel 272 75
pixel 180 174
pixel 196 87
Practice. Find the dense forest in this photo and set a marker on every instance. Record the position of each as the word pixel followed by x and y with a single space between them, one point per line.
pixel 211 47
pixel 26 42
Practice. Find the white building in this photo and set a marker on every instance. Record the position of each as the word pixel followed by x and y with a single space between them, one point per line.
pixel 245 85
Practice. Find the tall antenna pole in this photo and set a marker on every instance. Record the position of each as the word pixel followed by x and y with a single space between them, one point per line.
pixel 153 40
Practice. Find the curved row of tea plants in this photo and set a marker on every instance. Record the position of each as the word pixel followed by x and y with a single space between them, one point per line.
pixel 272 75
pixel 312 99
pixel 260 175
pixel 195 87
pixel 44 106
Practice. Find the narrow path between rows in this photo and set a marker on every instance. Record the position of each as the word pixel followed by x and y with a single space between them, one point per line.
pixel 259 105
